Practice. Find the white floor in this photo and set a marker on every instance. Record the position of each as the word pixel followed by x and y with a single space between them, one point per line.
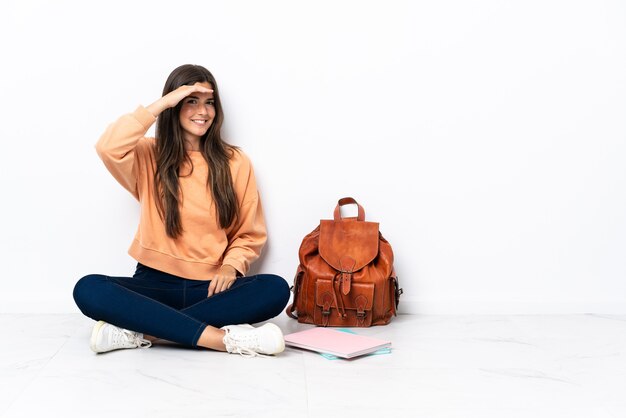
pixel 441 366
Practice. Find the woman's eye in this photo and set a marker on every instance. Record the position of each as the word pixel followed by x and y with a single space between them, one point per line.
pixel 191 101
pixel 211 102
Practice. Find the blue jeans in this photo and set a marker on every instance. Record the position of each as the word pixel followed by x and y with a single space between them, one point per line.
pixel 176 309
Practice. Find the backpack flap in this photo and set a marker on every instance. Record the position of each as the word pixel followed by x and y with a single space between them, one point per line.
pixel 348 246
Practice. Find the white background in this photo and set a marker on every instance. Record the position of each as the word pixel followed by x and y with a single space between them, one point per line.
pixel 488 138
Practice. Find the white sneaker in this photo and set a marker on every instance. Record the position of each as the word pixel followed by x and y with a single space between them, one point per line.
pixel 106 337
pixel 249 341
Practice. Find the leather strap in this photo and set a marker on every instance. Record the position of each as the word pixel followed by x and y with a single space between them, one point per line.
pixel 348 201
pixel 341 309
pixel 296 289
pixel 361 303
pixel 347 264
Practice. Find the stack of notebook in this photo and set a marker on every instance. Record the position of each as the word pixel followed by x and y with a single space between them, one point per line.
pixel 338 343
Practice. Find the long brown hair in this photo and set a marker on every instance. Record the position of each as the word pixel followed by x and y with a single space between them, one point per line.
pixel 171 155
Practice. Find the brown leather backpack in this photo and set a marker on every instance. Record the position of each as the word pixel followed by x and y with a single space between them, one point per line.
pixel 346 276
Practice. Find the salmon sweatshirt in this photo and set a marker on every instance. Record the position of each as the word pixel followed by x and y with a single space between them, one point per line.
pixel 203 247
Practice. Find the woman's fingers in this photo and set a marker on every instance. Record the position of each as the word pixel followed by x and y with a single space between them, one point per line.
pixel 219 284
pixel 180 93
pixel 185 91
pixel 222 280
pixel 225 285
pixel 172 98
pixel 201 89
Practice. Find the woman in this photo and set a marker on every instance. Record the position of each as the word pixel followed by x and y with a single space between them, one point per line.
pixel 201 225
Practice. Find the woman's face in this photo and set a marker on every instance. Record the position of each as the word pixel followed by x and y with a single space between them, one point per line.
pixel 197 114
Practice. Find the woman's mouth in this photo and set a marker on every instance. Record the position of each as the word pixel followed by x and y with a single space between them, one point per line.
pixel 200 122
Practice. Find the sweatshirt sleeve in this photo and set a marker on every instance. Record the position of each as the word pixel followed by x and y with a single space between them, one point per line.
pixel 248 235
pixel 116 146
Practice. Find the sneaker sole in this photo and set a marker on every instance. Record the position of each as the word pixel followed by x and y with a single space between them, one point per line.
pixel 94 336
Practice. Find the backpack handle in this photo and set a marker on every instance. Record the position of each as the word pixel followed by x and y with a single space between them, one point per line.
pixel 348 201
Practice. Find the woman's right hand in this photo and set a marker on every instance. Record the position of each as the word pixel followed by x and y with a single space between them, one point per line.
pixel 172 98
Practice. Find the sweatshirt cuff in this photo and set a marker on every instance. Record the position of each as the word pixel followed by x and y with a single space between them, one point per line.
pixel 238 265
pixel 144 117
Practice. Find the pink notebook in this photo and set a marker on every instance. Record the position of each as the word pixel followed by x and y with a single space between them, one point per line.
pixel 338 343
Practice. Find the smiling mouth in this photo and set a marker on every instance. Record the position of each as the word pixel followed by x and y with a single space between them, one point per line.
pixel 200 122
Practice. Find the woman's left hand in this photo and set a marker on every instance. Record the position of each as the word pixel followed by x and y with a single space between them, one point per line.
pixel 223 280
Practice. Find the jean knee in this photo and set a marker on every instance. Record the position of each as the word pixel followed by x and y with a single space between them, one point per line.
pixel 85 289
pixel 280 288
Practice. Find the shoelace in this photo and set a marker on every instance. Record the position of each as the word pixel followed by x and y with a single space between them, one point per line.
pixel 130 336
pixel 245 340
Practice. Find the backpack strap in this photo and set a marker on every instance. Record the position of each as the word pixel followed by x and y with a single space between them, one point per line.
pixel 296 290
pixel 347 201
